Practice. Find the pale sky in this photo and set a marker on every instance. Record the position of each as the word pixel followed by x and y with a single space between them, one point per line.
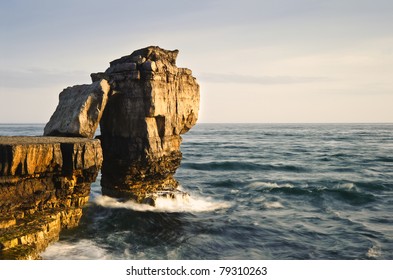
pixel 256 61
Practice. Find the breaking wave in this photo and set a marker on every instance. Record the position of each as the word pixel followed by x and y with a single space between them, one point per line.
pixel 373 252
pixel 164 204
pixel 273 205
pixel 268 185
pixel 81 250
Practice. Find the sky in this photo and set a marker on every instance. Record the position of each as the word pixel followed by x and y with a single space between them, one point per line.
pixel 262 61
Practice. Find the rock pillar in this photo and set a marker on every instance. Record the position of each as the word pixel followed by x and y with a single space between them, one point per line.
pixel 152 103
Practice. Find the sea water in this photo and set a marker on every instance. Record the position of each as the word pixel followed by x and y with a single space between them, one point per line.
pixel 257 191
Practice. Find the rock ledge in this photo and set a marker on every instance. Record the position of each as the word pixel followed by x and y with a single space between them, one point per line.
pixel 44 183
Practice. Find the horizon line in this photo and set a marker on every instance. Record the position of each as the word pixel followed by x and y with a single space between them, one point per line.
pixel 39 123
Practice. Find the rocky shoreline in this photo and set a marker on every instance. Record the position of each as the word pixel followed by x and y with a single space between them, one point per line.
pixel 143 103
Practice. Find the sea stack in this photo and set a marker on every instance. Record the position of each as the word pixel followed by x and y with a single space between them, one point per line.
pixel 143 103
pixel 152 102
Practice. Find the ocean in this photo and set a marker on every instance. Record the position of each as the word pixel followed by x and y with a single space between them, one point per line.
pixel 257 191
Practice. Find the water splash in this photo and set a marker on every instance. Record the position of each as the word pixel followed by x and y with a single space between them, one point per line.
pixel 373 252
pixel 81 250
pixel 166 204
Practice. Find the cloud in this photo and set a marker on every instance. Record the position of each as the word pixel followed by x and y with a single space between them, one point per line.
pixel 260 80
pixel 38 78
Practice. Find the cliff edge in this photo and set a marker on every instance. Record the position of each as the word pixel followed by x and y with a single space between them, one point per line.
pixel 44 182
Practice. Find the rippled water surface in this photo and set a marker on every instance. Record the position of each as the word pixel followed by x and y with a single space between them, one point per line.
pixel 258 191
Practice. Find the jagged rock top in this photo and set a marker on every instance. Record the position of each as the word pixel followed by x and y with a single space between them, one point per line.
pixel 152 53
pixel 150 63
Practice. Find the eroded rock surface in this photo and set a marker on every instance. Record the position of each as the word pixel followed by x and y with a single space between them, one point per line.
pixel 143 103
pixel 152 103
pixel 44 182
pixel 79 110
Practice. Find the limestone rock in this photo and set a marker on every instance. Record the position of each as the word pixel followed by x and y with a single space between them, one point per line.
pixel 44 182
pixel 79 110
pixel 143 103
pixel 153 103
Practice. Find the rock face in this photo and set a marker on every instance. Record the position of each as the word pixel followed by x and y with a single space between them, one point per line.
pixel 152 103
pixel 143 103
pixel 79 111
pixel 44 182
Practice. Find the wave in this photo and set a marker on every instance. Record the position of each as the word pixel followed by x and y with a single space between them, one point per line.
pixel 347 186
pixel 352 197
pixel 346 192
pixel 228 183
pixel 273 205
pixel 82 250
pixel 268 185
pixel 384 159
pixel 375 185
pixel 239 166
pixel 373 252
pixel 264 204
pixel 178 204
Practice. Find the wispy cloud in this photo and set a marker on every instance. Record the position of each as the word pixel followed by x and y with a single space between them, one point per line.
pixel 39 77
pixel 261 80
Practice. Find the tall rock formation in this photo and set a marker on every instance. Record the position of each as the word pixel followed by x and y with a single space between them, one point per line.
pixel 44 182
pixel 143 103
pixel 152 103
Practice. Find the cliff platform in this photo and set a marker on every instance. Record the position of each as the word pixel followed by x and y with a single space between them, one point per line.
pixel 44 183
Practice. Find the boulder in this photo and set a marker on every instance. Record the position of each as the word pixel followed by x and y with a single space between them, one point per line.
pixel 79 110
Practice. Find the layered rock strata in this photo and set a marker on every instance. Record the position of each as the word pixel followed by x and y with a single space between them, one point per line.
pixel 143 103
pixel 152 103
pixel 44 182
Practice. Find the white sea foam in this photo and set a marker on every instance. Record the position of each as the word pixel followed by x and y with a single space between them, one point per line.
pixel 163 204
pixel 258 199
pixel 269 185
pixel 347 186
pixel 273 205
pixel 374 252
pixel 81 250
